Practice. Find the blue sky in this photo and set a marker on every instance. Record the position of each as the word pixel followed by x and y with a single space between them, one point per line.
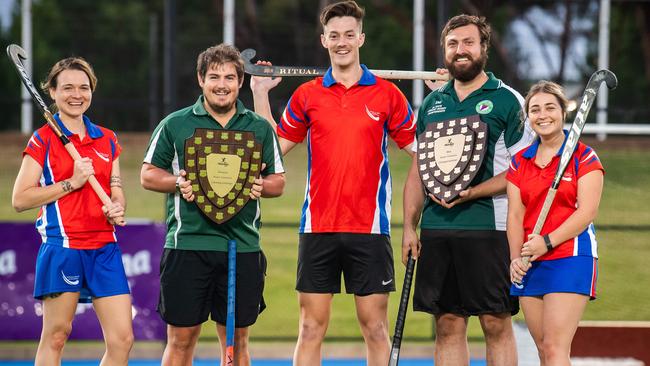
pixel 5 12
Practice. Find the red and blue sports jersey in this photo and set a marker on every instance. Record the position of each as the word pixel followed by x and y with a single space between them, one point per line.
pixel 534 182
pixel 348 180
pixel 75 220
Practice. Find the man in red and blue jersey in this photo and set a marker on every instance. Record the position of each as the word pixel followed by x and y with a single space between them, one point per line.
pixel 346 116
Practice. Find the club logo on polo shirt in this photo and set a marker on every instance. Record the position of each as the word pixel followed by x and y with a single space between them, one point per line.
pixel 484 107
pixel 101 155
pixel 373 115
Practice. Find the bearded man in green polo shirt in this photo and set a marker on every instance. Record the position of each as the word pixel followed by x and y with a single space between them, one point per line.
pixel 463 253
pixel 193 278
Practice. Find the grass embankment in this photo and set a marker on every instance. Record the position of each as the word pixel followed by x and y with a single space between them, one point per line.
pixel 623 231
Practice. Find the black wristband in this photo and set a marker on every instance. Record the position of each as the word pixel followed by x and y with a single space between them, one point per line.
pixel 547 241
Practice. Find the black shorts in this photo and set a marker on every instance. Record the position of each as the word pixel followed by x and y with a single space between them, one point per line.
pixel 194 283
pixel 366 261
pixel 464 272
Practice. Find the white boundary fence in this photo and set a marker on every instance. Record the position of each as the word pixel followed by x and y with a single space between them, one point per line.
pixel 617 129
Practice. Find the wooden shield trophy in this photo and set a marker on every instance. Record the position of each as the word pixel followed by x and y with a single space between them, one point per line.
pixel 450 154
pixel 222 165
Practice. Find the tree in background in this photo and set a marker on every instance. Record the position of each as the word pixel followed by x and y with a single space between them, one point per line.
pixel 115 37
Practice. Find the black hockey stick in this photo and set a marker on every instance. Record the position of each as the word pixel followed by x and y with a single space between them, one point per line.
pixel 401 313
pixel 17 54
pixel 588 98
pixel 262 70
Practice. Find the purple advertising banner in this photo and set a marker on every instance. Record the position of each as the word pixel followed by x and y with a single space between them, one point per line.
pixel 21 314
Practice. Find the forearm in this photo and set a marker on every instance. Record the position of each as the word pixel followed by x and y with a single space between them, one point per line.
pixel 491 187
pixel 573 226
pixel 117 195
pixel 273 185
pixel 515 233
pixel 263 107
pixel 156 179
pixel 413 198
pixel 33 197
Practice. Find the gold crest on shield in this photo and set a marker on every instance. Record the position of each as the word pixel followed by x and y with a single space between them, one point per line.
pixel 222 165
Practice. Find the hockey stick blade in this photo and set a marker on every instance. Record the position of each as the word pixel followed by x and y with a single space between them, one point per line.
pixel 401 313
pixel 587 100
pixel 306 71
pixel 17 55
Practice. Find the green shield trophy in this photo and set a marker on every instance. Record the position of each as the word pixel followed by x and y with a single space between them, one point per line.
pixel 222 165
pixel 450 154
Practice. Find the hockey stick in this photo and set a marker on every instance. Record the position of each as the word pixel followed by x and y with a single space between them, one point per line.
pixel 401 313
pixel 17 54
pixel 572 140
pixel 230 309
pixel 262 70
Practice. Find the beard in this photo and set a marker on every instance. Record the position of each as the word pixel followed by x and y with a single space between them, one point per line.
pixel 221 108
pixel 467 73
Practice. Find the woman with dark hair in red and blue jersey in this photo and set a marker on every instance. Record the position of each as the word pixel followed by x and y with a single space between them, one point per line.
pixel 79 260
pixel 555 287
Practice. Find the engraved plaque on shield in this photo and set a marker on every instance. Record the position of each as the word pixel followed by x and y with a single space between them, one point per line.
pixel 222 165
pixel 450 154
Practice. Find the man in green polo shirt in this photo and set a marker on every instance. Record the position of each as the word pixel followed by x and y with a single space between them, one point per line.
pixel 463 250
pixel 193 278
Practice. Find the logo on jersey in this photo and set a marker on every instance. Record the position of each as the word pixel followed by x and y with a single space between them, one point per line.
pixel 567 177
pixel 101 155
pixel 32 140
pixel 70 280
pixel 484 107
pixel 437 108
pixel 384 283
pixel 373 115
pixel 518 285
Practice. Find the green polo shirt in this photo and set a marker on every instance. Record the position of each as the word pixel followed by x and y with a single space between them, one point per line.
pixel 499 106
pixel 187 227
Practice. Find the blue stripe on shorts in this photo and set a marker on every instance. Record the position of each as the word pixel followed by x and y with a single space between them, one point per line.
pixel 572 274
pixel 91 272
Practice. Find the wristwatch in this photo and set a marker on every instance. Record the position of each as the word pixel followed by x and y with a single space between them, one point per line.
pixel 178 183
pixel 547 241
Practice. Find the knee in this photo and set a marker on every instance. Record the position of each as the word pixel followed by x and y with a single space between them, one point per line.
pixel 448 328
pixel 375 331
pixel 121 342
pixel 57 335
pixel 312 330
pixel 551 350
pixel 182 341
pixel 241 341
pixel 496 327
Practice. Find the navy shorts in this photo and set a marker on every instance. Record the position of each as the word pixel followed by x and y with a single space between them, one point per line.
pixel 91 272
pixel 194 284
pixel 573 274
pixel 464 272
pixel 366 261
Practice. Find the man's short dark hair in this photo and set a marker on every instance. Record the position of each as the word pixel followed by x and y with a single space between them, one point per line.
pixel 220 55
pixel 342 9
pixel 463 20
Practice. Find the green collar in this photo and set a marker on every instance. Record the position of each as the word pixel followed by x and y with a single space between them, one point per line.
pixel 199 108
pixel 492 83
